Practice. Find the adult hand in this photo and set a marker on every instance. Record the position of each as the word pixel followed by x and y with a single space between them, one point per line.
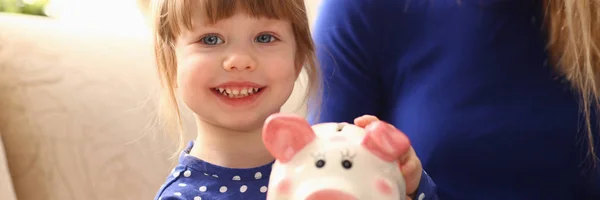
pixel 410 164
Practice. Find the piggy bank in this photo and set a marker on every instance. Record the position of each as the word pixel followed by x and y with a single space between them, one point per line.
pixel 333 161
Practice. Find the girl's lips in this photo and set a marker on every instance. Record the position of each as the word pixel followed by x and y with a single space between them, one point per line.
pixel 239 84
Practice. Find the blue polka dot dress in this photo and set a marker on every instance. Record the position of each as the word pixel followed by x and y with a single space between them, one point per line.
pixel 195 179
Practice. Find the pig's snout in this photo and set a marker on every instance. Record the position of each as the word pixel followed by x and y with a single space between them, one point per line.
pixel 330 195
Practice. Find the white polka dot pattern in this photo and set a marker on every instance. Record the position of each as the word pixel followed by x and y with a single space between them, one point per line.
pixel 197 180
pixel 187 173
pixel 263 189
pixel 421 196
pixel 258 175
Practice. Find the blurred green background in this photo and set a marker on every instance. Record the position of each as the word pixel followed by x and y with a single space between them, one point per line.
pixel 30 7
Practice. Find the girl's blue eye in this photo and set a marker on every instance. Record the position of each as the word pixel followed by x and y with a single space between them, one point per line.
pixel 211 40
pixel 265 38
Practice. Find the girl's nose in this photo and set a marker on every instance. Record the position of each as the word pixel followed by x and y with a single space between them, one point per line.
pixel 239 62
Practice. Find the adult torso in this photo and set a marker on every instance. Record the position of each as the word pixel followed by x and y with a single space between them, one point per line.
pixel 472 87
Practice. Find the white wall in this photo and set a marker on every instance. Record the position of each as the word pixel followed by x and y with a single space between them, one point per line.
pixel 312 6
pixel 121 15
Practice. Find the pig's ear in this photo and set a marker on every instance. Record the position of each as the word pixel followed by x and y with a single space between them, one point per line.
pixel 285 135
pixel 385 141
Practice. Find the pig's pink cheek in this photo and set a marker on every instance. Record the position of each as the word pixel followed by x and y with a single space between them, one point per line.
pixel 284 186
pixel 383 187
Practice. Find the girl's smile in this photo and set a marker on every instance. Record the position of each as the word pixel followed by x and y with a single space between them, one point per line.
pixel 239 94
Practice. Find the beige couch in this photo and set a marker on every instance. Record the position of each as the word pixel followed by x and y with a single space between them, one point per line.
pixel 77 106
pixel 6 188
pixel 75 110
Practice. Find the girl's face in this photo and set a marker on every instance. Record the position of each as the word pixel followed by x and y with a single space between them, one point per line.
pixel 238 71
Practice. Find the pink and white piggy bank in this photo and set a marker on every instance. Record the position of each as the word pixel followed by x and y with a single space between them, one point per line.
pixel 333 161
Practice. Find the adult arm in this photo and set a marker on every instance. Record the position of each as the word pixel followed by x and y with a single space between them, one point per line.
pixel 427 189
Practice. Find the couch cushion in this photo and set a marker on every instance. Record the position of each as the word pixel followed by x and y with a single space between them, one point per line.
pixel 76 106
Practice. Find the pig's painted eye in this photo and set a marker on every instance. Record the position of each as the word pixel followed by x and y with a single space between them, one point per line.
pixel 320 163
pixel 347 157
pixel 319 159
pixel 347 164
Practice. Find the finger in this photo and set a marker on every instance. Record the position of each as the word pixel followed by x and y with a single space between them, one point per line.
pixel 410 153
pixel 409 166
pixel 365 120
pixel 412 174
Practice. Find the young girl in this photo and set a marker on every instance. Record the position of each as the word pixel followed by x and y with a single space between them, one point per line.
pixel 234 63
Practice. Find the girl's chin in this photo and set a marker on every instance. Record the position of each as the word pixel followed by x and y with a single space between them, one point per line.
pixel 243 124
pixel 239 122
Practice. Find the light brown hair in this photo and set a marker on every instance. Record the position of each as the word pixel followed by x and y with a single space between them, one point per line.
pixel 574 43
pixel 171 17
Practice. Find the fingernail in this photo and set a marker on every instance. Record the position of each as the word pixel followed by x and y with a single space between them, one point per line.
pixel 371 126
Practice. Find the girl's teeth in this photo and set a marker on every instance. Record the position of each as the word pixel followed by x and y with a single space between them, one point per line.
pixel 237 93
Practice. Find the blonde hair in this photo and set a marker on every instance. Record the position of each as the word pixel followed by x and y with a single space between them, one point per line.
pixel 171 17
pixel 574 31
